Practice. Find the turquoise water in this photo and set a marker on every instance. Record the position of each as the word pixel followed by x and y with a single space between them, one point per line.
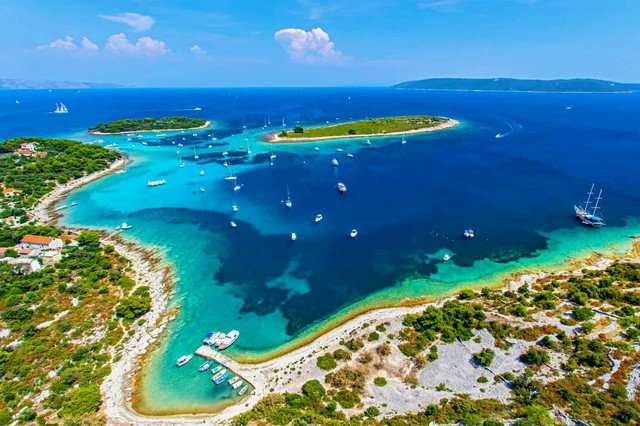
pixel 410 204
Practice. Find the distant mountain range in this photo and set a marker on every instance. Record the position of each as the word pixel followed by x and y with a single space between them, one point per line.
pixel 19 84
pixel 515 85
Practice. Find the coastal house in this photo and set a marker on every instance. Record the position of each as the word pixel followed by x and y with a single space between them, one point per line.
pixel 69 239
pixel 25 252
pixel 25 152
pixel 3 250
pixel 50 257
pixel 39 241
pixel 10 192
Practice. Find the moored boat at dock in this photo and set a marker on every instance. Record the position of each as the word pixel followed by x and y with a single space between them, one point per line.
pixel 183 360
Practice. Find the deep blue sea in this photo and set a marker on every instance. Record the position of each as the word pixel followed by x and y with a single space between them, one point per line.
pixel 409 202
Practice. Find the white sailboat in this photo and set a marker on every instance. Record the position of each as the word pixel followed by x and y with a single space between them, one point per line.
pixel 248 147
pixel 61 108
pixel 403 141
pixel 181 163
pixel 195 153
pixel 213 135
pixel 283 123
pixel 293 236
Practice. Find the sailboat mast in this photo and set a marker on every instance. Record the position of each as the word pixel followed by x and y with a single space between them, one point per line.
pixel 586 203
pixel 597 202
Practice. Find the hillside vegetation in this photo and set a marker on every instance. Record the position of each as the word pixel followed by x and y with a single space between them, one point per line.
pixel 143 124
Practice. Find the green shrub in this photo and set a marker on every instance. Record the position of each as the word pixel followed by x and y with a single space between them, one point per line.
pixel 380 381
pixel 535 356
pixel 313 389
pixel 484 357
pixel 326 362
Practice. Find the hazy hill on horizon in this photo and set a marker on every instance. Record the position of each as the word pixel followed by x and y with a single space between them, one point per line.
pixel 519 85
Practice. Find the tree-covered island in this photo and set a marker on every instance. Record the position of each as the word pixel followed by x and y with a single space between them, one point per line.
pixel 148 124
pixel 386 126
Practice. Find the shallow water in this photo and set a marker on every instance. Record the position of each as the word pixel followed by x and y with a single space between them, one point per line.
pixel 410 203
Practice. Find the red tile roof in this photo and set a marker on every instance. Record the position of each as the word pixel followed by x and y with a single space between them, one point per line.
pixel 36 239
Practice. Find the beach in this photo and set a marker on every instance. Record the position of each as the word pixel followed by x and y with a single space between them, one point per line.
pixel 204 126
pixel 450 123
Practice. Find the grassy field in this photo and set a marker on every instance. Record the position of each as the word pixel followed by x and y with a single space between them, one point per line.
pixel 367 127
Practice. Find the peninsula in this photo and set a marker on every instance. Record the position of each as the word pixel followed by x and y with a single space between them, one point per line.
pixel 149 124
pixel 574 85
pixel 386 126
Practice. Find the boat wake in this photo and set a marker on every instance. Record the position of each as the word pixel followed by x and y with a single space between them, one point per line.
pixel 513 128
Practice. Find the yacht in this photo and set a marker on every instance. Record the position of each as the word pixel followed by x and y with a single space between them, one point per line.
pixel 582 212
pixel 197 109
pixel 125 226
pixel 339 149
pixel 237 384
pixel 318 217
pixel 446 257
pixel 349 155
pixel 368 142
pixel 293 236
pixel 216 369
pixel 230 177
pixel 468 233
pixel 61 108
pixel 403 141
pixel 334 162
pixel 354 233
pixel 201 172
pixel 342 188
pixel 228 340
pixel 233 224
pixel 316 149
pixel 237 187
pixel 234 207
pixel 183 360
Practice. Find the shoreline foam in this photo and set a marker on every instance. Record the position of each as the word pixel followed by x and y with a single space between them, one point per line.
pixel 450 123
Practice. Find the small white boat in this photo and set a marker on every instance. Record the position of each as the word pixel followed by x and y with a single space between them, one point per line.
pixel 195 153
pixel 218 374
pixel 293 236
pixel 230 177
pixel 124 226
pixel 237 187
pixel 403 141
pixel 446 257
pixel 339 149
pixel 128 139
pixel 195 134
pixel 237 384
pixel 201 172
pixel 342 188
pixel 233 224
pixel 201 189
pixel 354 233
pixel 318 217
pixel 243 390
pixel 288 201
pixel 197 109
pixel 226 164
pixel 233 380
pixel 248 147
pixel 349 155
pixel 316 149
pixel 216 369
pixel 468 233
pixel 234 208
pixel 210 146
pixel 368 142
pixel 180 143
pixel 183 360
pixel 75 203
pixel 334 162
pixel 228 340
pixel 225 153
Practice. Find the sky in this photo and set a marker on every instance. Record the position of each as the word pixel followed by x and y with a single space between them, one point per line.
pixel 223 43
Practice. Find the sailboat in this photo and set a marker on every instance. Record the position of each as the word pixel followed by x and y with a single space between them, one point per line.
pixel 213 135
pixel 403 141
pixel 195 153
pixel 180 162
pixel 283 123
pixel 582 212
pixel 230 176
pixel 61 108
pixel 248 147
pixel 288 202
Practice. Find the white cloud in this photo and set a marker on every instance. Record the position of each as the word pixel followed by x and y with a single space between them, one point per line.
pixel 312 47
pixel 88 44
pixel 66 44
pixel 197 50
pixel 136 21
pixel 144 46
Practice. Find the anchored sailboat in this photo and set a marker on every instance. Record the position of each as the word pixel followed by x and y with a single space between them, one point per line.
pixel 195 153
pixel 582 212
pixel 288 202
pixel 61 108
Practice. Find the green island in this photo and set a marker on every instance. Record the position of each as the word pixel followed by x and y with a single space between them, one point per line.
pixel 559 348
pixel 67 299
pixel 148 124
pixel 366 128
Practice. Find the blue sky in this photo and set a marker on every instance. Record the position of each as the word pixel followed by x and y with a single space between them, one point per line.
pixel 316 43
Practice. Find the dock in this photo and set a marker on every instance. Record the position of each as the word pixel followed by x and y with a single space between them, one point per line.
pixel 208 352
